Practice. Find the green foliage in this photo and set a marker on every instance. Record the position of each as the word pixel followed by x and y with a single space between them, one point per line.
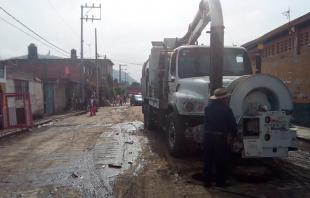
pixel 135 84
pixel 115 82
pixel 110 80
pixel 120 90
pixel 112 92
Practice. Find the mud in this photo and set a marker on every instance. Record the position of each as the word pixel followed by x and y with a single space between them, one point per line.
pixel 111 155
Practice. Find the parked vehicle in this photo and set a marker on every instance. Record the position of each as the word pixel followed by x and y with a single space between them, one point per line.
pixel 136 99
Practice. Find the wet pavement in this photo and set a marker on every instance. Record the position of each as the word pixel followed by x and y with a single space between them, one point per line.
pixel 82 155
pixel 111 155
pixel 303 133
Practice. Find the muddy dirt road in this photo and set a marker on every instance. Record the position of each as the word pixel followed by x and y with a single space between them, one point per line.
pixel 111 155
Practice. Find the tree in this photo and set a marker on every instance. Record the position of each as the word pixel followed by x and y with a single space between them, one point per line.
pixel 110 80
pixel 115 82
pixel 135 84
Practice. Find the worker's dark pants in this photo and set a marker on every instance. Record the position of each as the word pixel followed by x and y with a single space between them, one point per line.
pixel 215 151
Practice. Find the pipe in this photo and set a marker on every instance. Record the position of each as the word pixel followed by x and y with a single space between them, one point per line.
pixel 216 46
pixel 199 22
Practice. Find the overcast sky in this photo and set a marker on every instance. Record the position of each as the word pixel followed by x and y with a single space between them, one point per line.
pixel 126 28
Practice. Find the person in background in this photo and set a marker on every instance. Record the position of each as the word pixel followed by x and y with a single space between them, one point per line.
pixel 78 102
pixel 96 103
pixel 120 100
pixel 219 120
pixel 85 104
pixel 125 99
pixel 92 106
pixel 115 101
pixel 70 100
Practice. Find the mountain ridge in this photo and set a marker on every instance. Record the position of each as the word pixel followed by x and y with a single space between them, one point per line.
pixel 129 78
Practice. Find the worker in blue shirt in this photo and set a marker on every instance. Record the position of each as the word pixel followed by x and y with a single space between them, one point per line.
pixel 219 120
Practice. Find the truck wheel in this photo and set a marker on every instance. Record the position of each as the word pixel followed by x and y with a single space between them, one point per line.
pixel 148 122
pixel 175 136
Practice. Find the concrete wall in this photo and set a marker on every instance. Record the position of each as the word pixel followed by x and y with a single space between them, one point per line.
pixel 35 88
pixel 36 96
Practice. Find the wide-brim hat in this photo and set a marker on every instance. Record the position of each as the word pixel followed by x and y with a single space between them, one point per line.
pixel 220 93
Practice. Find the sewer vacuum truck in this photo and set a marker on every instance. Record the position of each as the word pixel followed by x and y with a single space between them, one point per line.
pixel 180 76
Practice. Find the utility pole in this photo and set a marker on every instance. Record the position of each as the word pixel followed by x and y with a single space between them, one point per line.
pixel 82 61
pixel 97 72
pixel 125 78
pixel 120 73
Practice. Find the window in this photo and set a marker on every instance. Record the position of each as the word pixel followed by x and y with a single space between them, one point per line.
pixel 21 86
pixel 173 63
pixel 1 71
pixel 195 62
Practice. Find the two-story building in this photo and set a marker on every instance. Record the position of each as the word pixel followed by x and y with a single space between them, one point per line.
pixel 61 77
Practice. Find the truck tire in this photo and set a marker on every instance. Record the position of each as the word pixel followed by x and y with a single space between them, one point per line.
pixel 148 122
pixel 175 136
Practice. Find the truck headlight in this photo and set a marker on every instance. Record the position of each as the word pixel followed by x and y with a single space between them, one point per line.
pixel 188 107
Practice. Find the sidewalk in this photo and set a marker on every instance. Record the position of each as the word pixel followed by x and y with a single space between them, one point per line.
pixel 303 133
pixel 38 122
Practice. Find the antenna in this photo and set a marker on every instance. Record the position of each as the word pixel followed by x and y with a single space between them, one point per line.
pixel 288 16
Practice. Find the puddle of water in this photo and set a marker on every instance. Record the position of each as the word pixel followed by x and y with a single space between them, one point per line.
pixel 88 171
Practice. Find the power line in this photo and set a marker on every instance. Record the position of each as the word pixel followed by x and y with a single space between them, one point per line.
pixel 33 37
pixel 63 19
pixel 120 61
pixel 33 31
pixel 127 62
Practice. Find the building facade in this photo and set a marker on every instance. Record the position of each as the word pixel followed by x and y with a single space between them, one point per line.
pixel 286 55
pixel 61 78
pixel 24 81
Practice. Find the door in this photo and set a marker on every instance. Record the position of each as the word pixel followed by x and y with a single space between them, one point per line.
pixel 48 98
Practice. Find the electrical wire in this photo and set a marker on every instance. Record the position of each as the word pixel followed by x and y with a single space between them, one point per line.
pixel 32 37
pixel 62 18
pixel 66 22
pixel 127 62
pixel 33 31
pixel 120 61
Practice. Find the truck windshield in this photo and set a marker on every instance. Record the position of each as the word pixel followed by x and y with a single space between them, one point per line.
pixel 194 62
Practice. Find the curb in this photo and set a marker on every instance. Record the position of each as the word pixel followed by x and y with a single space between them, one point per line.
pixel 59 118
pixel 304 138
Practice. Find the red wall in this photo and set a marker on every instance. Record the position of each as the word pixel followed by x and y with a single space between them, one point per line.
pixel 52 68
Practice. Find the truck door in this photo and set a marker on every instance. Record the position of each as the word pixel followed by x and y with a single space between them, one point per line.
pixel 172 74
